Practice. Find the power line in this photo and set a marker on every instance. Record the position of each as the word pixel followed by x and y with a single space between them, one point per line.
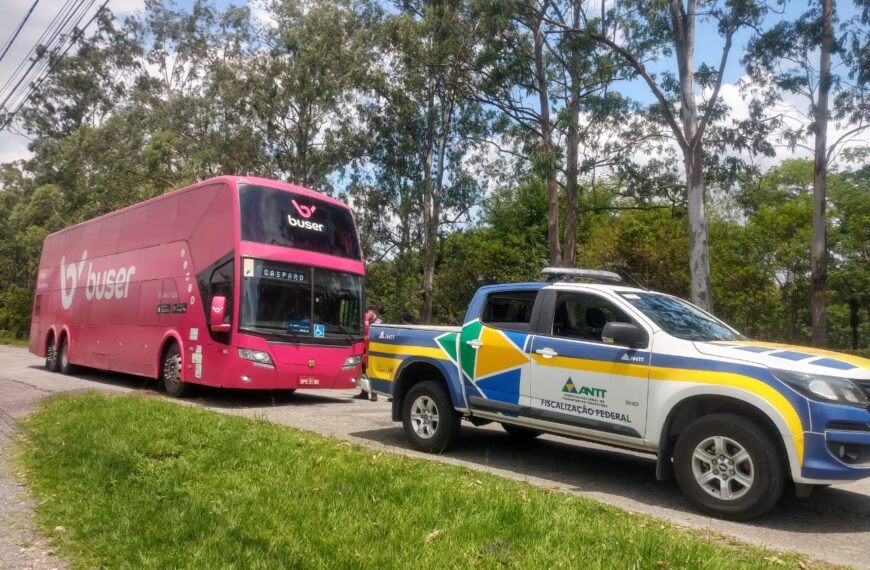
pixel 48 34
pixel 55 42
pixel 36 87
pixel 59 34
pixel 18 30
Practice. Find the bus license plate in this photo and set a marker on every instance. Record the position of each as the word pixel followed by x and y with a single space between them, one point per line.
pixel 309 381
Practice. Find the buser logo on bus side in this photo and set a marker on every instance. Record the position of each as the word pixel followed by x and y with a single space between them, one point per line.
pixel 109 284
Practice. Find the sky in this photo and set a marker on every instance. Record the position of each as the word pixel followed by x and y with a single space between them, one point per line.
pixel 14 146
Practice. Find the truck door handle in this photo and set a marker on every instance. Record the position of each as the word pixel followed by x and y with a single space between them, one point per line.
pixel 547 352
pixel 474 343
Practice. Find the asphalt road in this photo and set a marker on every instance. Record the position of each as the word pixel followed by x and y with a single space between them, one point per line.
pixel 833 525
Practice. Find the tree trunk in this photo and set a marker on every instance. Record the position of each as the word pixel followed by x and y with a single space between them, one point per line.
pixel 547 149
pixel 569 251
pixel 428 218
pixel 431 238
pixel 819 249
pixel 699 260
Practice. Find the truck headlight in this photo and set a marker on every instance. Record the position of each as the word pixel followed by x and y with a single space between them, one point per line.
pixel 352 362
pixel 258 357
pixel 824 388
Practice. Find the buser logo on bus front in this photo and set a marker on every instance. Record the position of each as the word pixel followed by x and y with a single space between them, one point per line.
pixel 109 284
pixel 305 212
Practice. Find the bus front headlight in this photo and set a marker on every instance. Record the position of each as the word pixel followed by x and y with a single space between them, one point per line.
pixel 258 357
pixel 352 361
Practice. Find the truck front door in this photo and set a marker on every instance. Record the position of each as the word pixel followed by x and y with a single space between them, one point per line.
pixel 579 381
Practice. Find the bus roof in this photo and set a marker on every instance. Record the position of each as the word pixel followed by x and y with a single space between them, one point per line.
pixel 228 179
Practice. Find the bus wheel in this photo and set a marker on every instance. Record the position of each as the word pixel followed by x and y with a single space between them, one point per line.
pixel 170 373
pixel 63 363
pixel 51 360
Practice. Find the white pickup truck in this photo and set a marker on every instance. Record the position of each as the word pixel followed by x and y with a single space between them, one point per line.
pixel 583 356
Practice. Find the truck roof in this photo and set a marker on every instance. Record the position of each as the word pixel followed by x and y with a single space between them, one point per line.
pixel 534 286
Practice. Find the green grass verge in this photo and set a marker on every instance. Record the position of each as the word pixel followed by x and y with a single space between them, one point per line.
pixel 14 341
pixel 134 482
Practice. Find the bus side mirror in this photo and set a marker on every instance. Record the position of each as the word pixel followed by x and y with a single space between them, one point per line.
pixel 217 314
pixel 624 334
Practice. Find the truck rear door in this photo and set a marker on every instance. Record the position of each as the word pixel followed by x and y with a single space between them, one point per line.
pixel 494 355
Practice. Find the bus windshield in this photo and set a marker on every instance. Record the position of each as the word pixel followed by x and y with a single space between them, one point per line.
pixel 278 217
pixel 308 304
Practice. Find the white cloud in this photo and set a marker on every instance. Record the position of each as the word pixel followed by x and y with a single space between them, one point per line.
pixel 13 147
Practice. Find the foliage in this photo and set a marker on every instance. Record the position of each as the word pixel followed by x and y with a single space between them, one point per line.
pixel 359 99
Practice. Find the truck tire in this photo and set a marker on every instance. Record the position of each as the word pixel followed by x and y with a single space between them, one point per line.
pixel 170 373
pixel 520 433
pixel 430 422
pixel 63 363
pixel 51 359
pixel 729 467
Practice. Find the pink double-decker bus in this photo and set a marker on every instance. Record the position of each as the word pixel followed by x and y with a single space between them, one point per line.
pixel 233 282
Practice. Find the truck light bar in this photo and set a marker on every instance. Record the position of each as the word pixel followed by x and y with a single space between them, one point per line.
pixel 574 274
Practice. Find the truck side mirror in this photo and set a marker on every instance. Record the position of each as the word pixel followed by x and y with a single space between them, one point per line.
pixel 624 334
pixel 217 314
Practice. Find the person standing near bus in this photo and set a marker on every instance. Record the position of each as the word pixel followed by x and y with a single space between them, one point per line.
pixel 371 317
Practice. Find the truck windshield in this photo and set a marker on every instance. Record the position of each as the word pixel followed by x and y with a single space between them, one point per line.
pixel 307 304
pixel 681 319
pixel 278 217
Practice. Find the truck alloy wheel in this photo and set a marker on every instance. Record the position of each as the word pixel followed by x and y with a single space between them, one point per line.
pixel 723 468
pixel 424 417
pixel 430 422
pixel 729 466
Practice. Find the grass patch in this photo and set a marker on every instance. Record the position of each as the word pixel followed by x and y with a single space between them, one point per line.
pixel 14 341
pixel 133 482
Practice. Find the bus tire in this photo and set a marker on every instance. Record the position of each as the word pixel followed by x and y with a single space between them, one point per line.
pixel 51 360
pixel 63 364
pixel 729 467
pixel 171 367
pixel 430 422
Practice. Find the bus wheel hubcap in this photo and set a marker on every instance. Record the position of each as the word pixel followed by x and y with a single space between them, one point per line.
pixel 172 369
pixel 723 468
pixel 424 417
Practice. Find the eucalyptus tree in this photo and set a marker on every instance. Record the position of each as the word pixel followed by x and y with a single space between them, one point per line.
pixel 304 85
pixel 428 125
pixel 795 56
pixel 553 86
pixel 515 77
pixel 687 100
